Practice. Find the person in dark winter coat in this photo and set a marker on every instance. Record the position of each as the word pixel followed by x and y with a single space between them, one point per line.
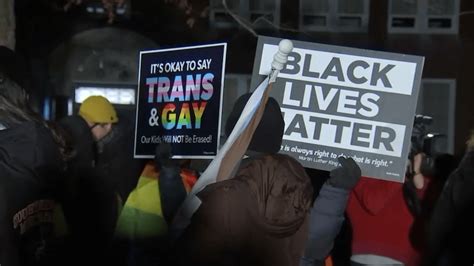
pixel 92 204
pixel 32 159
pixel 450 230
pixel 261 215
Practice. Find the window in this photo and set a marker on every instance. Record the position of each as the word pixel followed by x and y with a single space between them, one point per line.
pixel 423 16
pixel 114 95
pixel 437 99
pixel 251 11
pixel 97 8
pixel 334 15
pixel 236 85
pixel 218 14
pixel 268 9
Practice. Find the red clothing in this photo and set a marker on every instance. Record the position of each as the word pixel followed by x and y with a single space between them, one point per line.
pixel 381 220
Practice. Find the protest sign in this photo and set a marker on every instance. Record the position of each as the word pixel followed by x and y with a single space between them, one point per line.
pixel 340 101
pixel 180 100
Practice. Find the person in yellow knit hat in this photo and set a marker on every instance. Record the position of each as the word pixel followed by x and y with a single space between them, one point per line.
pixel 91 208
pixel 99 114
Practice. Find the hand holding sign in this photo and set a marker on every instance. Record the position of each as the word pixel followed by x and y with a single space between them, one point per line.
pixel 345 176
pixel 163 157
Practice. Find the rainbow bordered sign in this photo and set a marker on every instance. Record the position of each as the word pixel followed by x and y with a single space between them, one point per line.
pixel 179 100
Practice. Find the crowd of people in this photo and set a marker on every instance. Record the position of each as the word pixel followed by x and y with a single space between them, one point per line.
pixel 71 193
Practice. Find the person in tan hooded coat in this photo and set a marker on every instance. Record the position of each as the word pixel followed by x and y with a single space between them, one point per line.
pixel 261 215
pixel 257 217
pixel 254 218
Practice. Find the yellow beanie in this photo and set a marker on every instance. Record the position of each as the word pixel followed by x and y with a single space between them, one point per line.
pixel 97 109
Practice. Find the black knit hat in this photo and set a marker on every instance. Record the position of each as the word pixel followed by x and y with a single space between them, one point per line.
pixel 13 66
pixel 269 133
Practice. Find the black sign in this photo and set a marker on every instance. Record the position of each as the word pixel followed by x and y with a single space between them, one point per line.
pixel 179 100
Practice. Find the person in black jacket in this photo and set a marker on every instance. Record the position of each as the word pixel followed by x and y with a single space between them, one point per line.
pixel 31 165
pixel 451 226
pixel 92 205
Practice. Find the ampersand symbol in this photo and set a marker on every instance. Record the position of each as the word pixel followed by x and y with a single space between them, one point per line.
pixel 153 120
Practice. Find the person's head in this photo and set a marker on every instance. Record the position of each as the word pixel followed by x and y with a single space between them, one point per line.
pixel 14 98
pixel 14 107
pixel 269 133
pixel 99 114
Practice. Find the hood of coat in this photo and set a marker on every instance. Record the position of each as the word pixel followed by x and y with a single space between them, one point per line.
pixel 282 191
